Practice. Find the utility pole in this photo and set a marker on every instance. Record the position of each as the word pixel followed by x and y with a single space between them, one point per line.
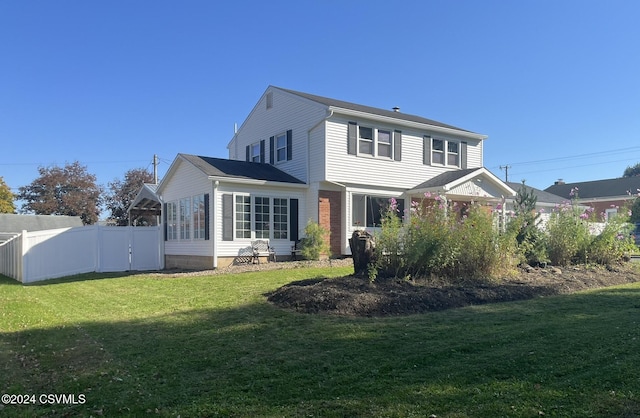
pixel 155 169
pixel 506 171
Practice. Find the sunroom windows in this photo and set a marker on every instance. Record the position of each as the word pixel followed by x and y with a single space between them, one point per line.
pixel 186 219
pixel 260 217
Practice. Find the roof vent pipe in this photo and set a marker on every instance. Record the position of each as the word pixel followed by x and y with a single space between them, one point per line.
pixel 396 109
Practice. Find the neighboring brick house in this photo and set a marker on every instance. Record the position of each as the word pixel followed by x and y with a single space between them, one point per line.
pixel 300 157
pixel 605 196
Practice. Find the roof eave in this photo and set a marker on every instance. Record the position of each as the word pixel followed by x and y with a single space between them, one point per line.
pixel 412 124
pixel 255 182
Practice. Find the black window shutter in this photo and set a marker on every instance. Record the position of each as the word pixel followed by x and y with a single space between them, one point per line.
pixel 463 155
pixel 289 145
pixel 426 150
pixel 352 141
pixel 293 219
pixel 164 220
pixel 206 217
pixel 248 153
pixel 262 151
pixel 227 217
pixel 271 150
pixel 397 145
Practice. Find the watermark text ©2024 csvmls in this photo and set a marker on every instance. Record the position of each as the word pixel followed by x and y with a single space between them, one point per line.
pixel 43 399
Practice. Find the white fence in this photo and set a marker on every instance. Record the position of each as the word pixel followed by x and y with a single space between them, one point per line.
pixel 41 255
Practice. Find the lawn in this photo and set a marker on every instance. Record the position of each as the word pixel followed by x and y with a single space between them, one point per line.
pixel 213 346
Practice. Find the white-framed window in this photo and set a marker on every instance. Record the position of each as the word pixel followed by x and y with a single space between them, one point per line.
pixel 199 221
pixel 384 143
pixel 365 140
pixel 437 151
pixel 243 216
pixel 445 152
pixel 368 210
pixel 453 153
pixel 254 156
pixel 610 213
pixel 185 218
pixel 172 221
pixel 280 218
pixel 262 217
pixel 269 100
pixel 281 147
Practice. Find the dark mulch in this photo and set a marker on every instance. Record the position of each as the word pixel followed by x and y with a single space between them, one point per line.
pixel 354 296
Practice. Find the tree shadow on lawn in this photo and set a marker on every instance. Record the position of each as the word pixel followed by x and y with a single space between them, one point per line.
pixel 561 354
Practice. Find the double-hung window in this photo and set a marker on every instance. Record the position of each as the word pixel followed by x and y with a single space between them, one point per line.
pixel 437 151
pixel 445 152
pixel 384 143
pixel 453 153
pixel 281 147
pixel 255 152
pixel 365 140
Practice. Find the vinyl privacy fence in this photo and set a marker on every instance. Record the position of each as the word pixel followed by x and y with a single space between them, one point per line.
pixel 40 255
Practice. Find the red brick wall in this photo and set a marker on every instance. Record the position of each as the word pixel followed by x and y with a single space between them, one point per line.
pixel 330 217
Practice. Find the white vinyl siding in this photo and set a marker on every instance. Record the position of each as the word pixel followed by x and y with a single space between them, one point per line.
pixel 187 181
pixel 343 168
pixel 288 112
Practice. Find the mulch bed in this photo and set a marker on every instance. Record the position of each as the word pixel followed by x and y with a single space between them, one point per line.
pixel 354 296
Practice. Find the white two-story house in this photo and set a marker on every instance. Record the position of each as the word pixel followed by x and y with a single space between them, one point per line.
pixel 300 157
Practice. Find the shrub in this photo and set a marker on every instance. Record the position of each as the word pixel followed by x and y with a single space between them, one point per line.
pixel 613 243
pixel 315 242
pixel 567 235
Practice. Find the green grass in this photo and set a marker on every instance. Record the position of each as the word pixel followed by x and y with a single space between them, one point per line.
pixel 213 346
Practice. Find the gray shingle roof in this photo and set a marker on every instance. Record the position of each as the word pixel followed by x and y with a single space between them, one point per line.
pixel 368 109
pixel 445 178
pixel 598 188
pixel 235 169
pixel 18 223
pixel 541 195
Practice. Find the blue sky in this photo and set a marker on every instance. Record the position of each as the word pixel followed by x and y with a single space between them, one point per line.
pixel 554 84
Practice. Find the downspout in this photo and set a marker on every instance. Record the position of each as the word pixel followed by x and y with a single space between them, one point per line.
pixel 212 221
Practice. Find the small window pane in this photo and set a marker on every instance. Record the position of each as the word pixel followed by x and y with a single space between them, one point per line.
pixel 438 145
pixel 366 133
pixel 452 147
pixel 365 147
pixel 384 137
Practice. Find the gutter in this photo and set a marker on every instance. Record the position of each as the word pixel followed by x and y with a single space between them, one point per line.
pixel 417 125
